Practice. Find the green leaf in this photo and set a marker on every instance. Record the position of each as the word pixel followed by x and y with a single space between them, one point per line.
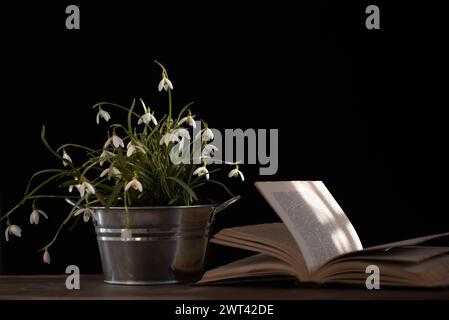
pixel 44 141
pixel 114 194
pixel 130 113
pixel 223 186
pixel 185 187
pixel 27 189
pixel 183 110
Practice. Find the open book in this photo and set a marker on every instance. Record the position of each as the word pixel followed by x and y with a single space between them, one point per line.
pixel 317 243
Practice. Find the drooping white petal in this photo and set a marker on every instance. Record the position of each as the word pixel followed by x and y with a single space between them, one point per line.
pixel 208 135
pixel 202 171
pixel 208 150
pixel 104 173
pixel 131 150
pixel 117 141
pixel 46 257
pixel 34 217
pixel 114 172
pixel 105 155
pixel 143 105
pixel 168 84
pixel 42 213
pixel 153 119
pixel 79 211
pixel 103 114
pixel 107 143
pixel 161 85
pixel 81 189
pixel 236 173
pixel 169 137
pixel 182 120
pixel 181 132
pixel 89 188
pixel 232 173
pixel 14 230
pixel 191 122
pixel 135 184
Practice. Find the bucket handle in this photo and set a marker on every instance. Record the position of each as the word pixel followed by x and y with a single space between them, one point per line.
pixel 225 204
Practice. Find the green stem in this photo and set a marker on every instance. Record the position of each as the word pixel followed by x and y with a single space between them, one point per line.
pixel 61 226
pixel 75 146
pixel 11 211
pixel 128 216
pixel 169 108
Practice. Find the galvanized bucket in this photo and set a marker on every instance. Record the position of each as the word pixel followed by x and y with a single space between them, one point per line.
pixel 166 244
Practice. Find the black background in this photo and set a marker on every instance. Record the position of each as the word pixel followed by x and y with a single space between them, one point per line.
pixel 362 110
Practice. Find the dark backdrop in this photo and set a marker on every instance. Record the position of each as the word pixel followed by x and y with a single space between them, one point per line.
pixel 358 109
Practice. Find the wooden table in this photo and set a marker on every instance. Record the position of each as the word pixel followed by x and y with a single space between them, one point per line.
pixel 93 288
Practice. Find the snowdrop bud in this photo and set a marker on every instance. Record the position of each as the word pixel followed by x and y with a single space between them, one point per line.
pixel 46 257
pixel 67 157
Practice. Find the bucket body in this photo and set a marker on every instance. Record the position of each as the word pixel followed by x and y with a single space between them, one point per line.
pixel 166 244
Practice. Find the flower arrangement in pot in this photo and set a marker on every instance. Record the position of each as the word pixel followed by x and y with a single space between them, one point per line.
pixel 140 191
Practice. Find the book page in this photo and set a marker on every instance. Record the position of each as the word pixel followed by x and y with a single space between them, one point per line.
pixel 319 226
pixel 258 265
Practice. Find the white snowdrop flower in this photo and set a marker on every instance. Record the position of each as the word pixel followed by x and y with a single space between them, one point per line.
pixel 115 140
pixel 189 119
pixel 103 114
pixel 183 133
pixel 46 257
pixel 126 234
pixel 208 135
pixel 67 157
pixel 174 135
pixel 105 155
pixel 147 117
pixel 14 230
pixel 235 173
pixel 111 172
pixel 208 150
pixel 202 171
pixel 169 137
pixel 85 188
pixel 133 147
pixel 135 184
pixel 87 213
pixel 165 83
pixel 34 217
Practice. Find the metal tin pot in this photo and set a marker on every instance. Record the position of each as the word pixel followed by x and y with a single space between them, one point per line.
pixel 166 245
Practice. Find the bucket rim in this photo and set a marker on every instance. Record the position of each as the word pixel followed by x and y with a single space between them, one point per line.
pixel 157 207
